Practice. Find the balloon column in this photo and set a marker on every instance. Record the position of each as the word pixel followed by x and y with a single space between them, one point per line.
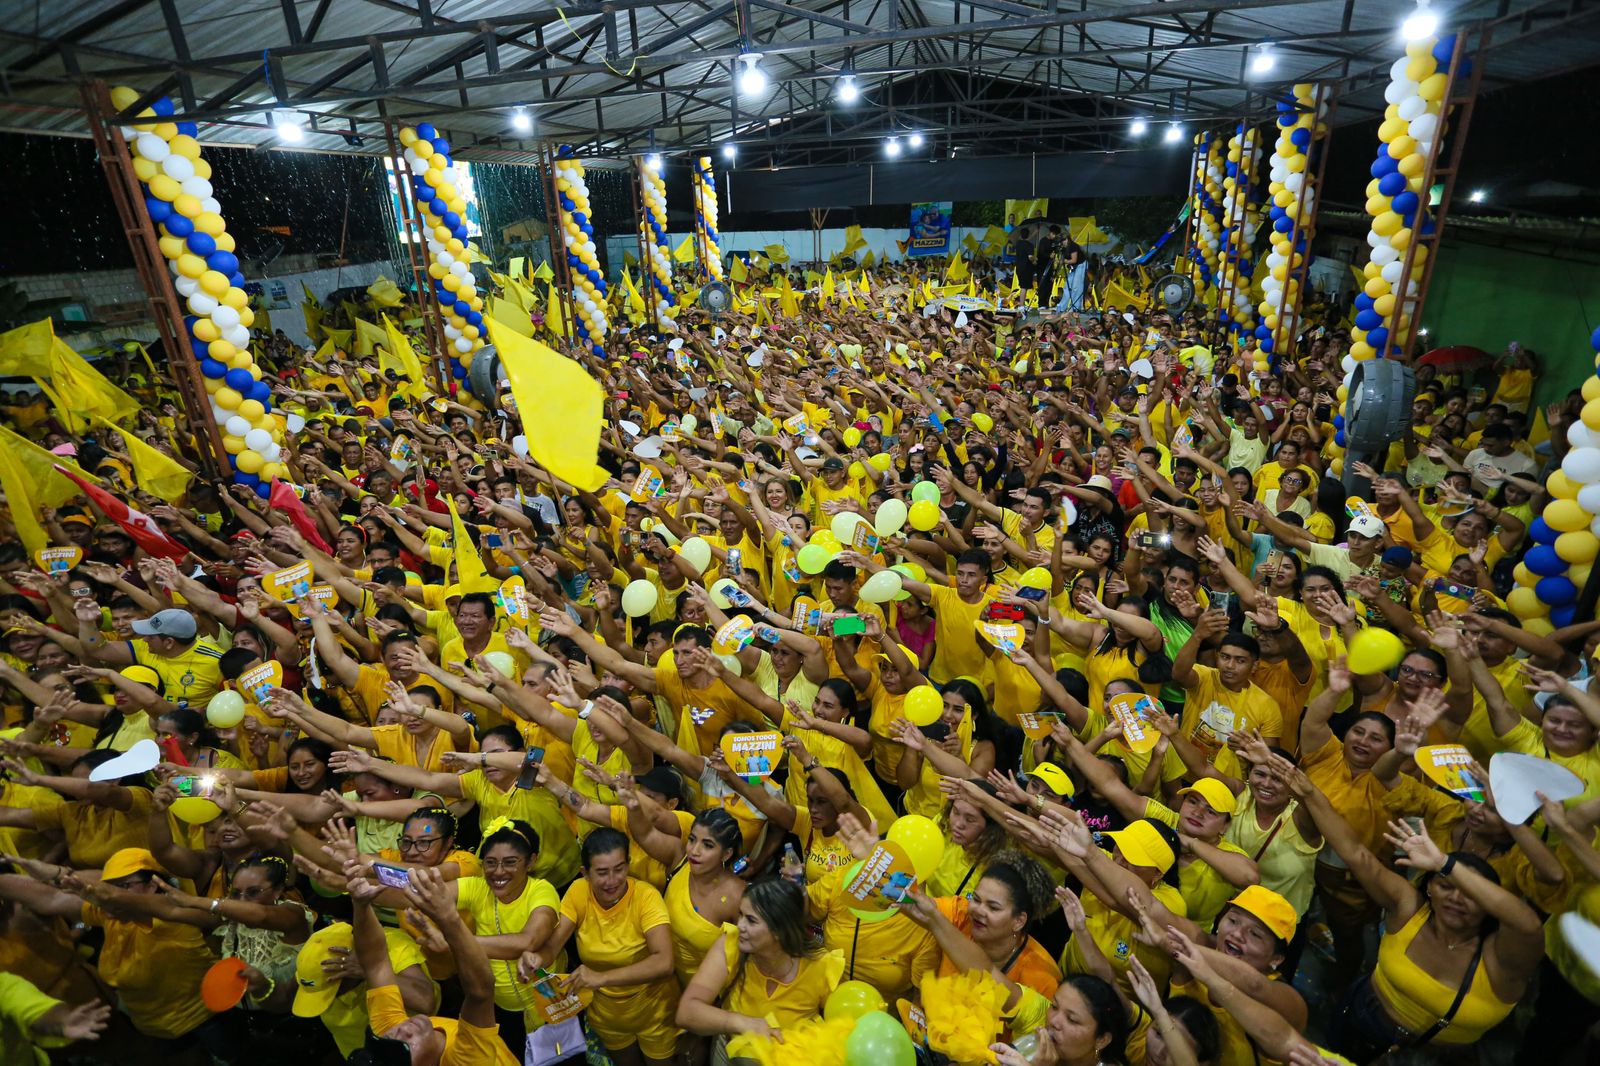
pixel 1567 535
pixel 1241 213
pixel 1206 210
pixel 705 219
pixel 653 228
pixel 194 239
pixel 588 284
pixel 443 212
pixel 1301 120
pixel 1397 198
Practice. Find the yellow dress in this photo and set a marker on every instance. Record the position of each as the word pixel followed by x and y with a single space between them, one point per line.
pixel 924 797
pixel 692 934
pixel 799 999
pixel 891 955
pixel 609 938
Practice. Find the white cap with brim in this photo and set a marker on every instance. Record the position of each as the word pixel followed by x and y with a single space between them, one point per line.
pixel 172 622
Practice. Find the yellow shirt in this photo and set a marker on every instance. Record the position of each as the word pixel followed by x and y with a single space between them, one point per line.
pixel 397 745
pixel 346 1017
pixel 188 679
pixel 94 833
pixel 1358 797
pixel 27 843
pixel 491 917
pixel 1205 892
pixel 610 938
pixel 702 712
pixel 749 991
pixel 1212 713
pixel 892 955
pixel 1527 738
pixel 1478 733
pixel 1114 935
pixel 692 933
pixel 957 653
pixel 640 864
pixel 156 970
pixel 557 857
pixel 21 1005
pixel 465 1044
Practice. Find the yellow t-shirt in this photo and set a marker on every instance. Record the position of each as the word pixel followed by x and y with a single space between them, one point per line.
pixel 610 938
pixel 465 1044
pixel 1213 713
pixel 957 653
pixel 392 742
pixel 21 1005
pixel 346 1017
pixel 1114 935
pixel 491 917
pixel 27 843
pixel 1205 892
pixel 1527 738
pixel 749 991
pixel 188 679
pixel 156 969
pixel 557 858
pixel 94 833
pixel 892 955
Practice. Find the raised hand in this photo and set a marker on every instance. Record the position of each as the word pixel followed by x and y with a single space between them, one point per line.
pixel 1419 850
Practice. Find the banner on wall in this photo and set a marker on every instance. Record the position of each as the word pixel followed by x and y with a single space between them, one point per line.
pixel 1019 211
pixel 930 229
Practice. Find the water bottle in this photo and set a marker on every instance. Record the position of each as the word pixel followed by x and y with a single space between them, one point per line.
pixel 793 868
pixel 1027 1046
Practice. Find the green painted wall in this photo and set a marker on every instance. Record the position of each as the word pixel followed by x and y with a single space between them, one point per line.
pixel 1489 297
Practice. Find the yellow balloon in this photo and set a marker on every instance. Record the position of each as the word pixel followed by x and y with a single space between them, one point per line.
pixel 165 188
pixel 408 136
pixel 1384 304
pixel 1373 651
pixel 145 169
pixel 1421 69
pixel 924 515
pixel 166 130
pixel 437 271
pixel 237 299
pixel 1578 574
pixel 228 399
pixel 923 705
pixel 250 462
pixel 206 330
pixel 1561 486
pixel 423 148
pixel 212 385
pixel 251 410
pixel 1539 627
pixel 191 265
pixel 1566 516
pixel 210 223
pixel 1591 412
pixel 1579 547
pixel 1524 603
pixel 921 839
pixel 1400 240
pixel 232 445
pixel 470 332
pixel 1412 165
pixel 1362 350
pixel 221 351
pixel 1376 287
pixel 124 97
pixel 247 317
pixel 188 206
pixel 1402 146
pixel 1432 88
pixel 214 283
pixel 1391 128
pixel 1590 390
pixel 450 282
pixel 239 360
pixel 185 145
pixel 1523 576
pixel 225 242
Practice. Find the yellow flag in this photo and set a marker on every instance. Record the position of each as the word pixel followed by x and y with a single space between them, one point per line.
pixel 341 338
pixel 26 350
pixel 957 271
pixel 518 266
pixel 827 285
pixel 79 391
pixel 543 272
pixel 853 240
pixel 510 315
pixel 402 355
pixel 636 303
pixel 385 293
pixel 312 310
pixel 738 271
pixel 561 407
pixel 368 337
pixel 868 259
pixel 684 252
pixel 156 473
pixel 777 253
pixel 470 572
pixel 45 485
pixel 866 290
pixel 553 319
pixel 24 507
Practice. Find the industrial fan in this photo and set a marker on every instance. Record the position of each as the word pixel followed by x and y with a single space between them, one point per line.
pixel 716 297
pixel 1176 292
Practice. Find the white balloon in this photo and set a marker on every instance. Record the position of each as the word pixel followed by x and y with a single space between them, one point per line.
pixel 294 423
pixel 177 167
pixel 197 187
pixel 1582 465
pixel 1383 255
pixel 1423 127
pixel 1589 498
pixel 272 453
pixel 237 425
pixel 1411 107
pixel 463 345
pixel 1397 72
pixel 210 203
pixel 152 147
pixel 1347 364
pixel 236 335
pixel 519 445
pixel 1580 436
pixel 1373 239
pixel 224 316
pixel 202 304
pixel 1594 527
pixel 445 259
pixel 1391 271
pixel 258 440
pixel 186 286
pixel 450 332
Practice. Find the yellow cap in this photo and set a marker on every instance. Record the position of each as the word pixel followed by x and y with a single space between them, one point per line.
pixel 1054 778
pixel 1270 909
pixel 144 675
pixel 316 988
pixel 1218 797
pixel 1141 844
pixel 129 861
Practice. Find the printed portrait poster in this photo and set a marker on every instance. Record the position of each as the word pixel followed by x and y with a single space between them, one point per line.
pixel 930 229
pixel 1036 725
pixel 290 583
pixel 1135 711
pixel 878 883
pixel 58 560
pixel 553 1004
pixel 1450 767
pixel 258 682
pixel 752 755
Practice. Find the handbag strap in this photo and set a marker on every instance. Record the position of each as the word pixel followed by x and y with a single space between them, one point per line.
pixel 1455 1005
pixel 1276 826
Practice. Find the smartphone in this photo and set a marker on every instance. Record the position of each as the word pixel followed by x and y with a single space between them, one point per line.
pixel 845 626
pixel 528 776
pixel 1150 541
pixel 494 540
pixel 1273 559
pixel 392 876
pixel 737 596
pixel 1003 612
pixel 1221 601
pixel 190 785
pixel 936 731
pixel 733 566
pixel 1450 588
pixel 1027 592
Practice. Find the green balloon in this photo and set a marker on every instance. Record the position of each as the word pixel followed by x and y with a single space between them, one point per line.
pixel 878 1040
pixel 812 559
pixel 925 490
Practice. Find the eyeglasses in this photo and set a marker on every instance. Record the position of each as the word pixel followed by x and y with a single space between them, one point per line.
pixel 1420 675
pixel 413 844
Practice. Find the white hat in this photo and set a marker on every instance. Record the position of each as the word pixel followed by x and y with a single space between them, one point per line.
pixel 1368 525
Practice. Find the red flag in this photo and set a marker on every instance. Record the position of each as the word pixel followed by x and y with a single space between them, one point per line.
pixel 138 525
pixel 283 499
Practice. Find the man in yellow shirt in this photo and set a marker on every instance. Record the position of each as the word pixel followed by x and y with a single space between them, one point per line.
pixel 956 612
pixel 187 664
pixel 1223 699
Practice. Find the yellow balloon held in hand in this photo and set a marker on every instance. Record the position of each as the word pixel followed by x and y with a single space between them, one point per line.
pixel 922 840
pixel 1374 651
pixel 924 705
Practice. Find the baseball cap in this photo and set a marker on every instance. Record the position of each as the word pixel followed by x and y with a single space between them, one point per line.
pixel 129 861
pixel 1399 555
pixel 142 674
pixel 1143 845
pixel 1052 777
pixel 1270 909
pixel 1368 525
pixel 907 652
pixel 172 622
pixel 1218 797
pixel 833 462
pixel 314 988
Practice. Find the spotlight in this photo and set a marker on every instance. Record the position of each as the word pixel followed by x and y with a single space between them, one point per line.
pixel 1174 133
pixel 653 161
pixel 915 140
pixel 1420 24
pixel 288 126
pixel 1478 196
pixel 729 151
pixel 1263 62
pixel 1137 127
pixel 891 147
pixel 848 92
pixel 521 121
pixel 752 79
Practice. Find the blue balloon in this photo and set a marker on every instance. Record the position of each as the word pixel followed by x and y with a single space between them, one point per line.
pixel 475 318
pixel 1556 591
pixel 1232 169
pixel 450 219
pixel 1300 137
pixel 1338 421
pixel 1541 532
pixel 1392 184
pixel 188 323
pixel 1377 337
pixel 1384 165
pixel 239 380
pixel 462 308
pixel 1263 333
pixel 263 489
pixel 202 350
pixel 1286 120
pixel 202 244
pixel 441 145
pixel 223 262
pixel 248 480
pixel 158 209
pixel 178 225
pixel 1543 560
pixel 1266 345
pixel 1338 438
pixel 1563 616
pixel 1444 49
pixel 1369 320
pixel 236 279
pixel 1594 339
pixel 1363 302
pixel 425 192
pixel 233 461
pixel 459 371
pixel 436 207
pixel 211 368
pixel 189 129
pixel 164 106
pixel 1284 224
pixel 1404 203
pixel 262 393
pixel 426 131
pixel 567 203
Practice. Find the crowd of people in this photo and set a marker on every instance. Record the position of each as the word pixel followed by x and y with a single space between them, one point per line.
pixel 1078 591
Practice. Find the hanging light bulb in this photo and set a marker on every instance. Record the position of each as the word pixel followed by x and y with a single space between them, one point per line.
pixel 1420 24
pixel 521 121
pixel 1263 62
pixel 1174 133
pixel 729 151
pixel 288 126
pixel 915 140
pixel 752 79
pixel 891 147
pixel 849 93
pixel 653 161
pixel 1137 127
